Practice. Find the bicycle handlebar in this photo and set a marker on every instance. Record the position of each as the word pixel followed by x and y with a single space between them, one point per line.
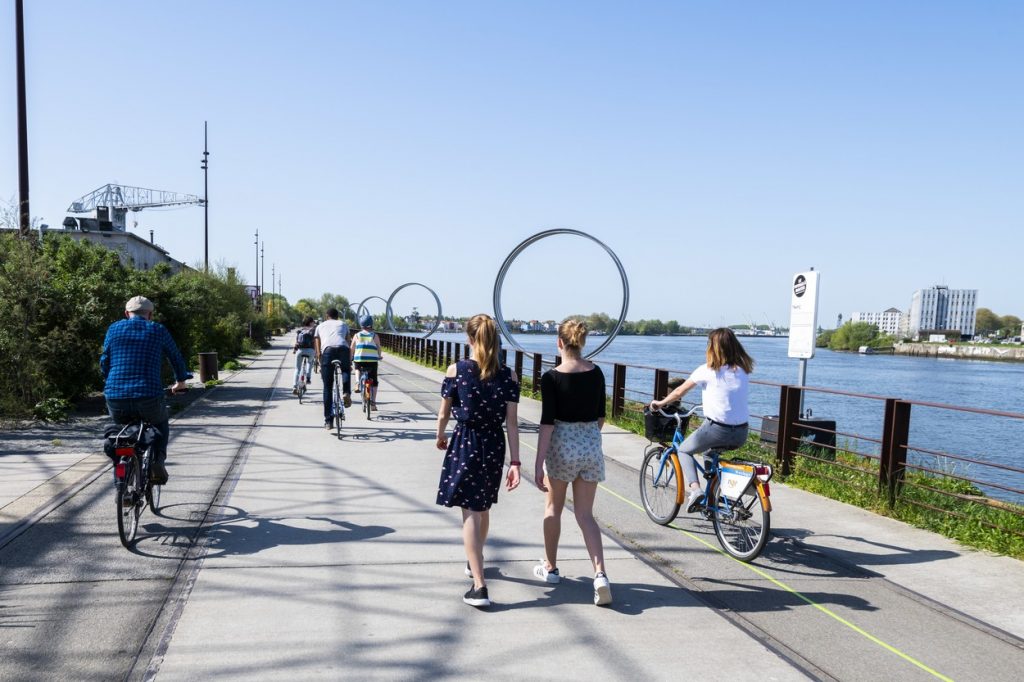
pixel 678 416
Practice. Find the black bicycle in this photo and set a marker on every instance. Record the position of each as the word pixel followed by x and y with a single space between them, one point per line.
pixel 337 400
pixel 131 449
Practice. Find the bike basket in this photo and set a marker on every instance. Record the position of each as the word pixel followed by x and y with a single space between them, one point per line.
pixel 735 479
pixel 660 428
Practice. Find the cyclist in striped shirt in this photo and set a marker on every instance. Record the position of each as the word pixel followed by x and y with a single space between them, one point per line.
pixel 366 353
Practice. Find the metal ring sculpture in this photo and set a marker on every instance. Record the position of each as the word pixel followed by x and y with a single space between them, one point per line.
pixel 390 316
pixel 362 304
pixel 500 281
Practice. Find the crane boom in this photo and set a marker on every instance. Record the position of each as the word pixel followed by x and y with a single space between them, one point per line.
pixel 130 198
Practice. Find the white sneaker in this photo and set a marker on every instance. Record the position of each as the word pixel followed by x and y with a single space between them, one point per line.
pixel 469 571
pixel 693 500
pixel 602 590
pixel 542 572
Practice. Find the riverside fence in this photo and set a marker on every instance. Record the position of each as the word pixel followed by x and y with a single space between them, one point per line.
pixel 896 464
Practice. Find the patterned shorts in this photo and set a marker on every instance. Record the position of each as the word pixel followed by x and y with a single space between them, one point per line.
pixel 575 452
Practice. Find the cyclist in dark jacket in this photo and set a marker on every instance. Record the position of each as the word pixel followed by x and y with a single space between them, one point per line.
pixel 133 353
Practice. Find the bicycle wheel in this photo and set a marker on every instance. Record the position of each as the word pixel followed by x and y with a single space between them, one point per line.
pixel 743 525
pixel 338 407
pixel 152 491
pixel 366 399
pixel 129 502
pixel 659 485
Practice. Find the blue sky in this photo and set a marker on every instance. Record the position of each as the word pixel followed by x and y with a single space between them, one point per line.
pixel 717 148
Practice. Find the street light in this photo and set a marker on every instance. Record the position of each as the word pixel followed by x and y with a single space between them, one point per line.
pixel 19 30
pixel 256 277
pixel 206 203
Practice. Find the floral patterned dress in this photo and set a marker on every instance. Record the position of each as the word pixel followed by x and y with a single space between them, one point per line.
pixel 471 473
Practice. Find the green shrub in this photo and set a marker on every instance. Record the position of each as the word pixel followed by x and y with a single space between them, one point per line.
pixel 51 409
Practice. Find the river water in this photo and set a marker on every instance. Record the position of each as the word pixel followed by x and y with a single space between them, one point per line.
pixel 966 383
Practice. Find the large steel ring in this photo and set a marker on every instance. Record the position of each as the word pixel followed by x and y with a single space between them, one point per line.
pixel 362 305
pixel 390 316
pixel 500 281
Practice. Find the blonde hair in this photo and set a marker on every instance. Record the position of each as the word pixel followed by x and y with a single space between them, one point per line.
pixel 573 334
pixel 725 349
pixel 482 331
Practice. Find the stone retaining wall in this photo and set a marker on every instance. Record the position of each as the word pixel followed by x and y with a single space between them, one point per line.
pixel 943 350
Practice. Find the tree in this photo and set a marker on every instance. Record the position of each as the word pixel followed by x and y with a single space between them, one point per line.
pixel 1009 325
pixel 986 322
pixel 853 335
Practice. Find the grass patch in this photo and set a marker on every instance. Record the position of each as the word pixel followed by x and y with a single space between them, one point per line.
pixel 213 382
pixel 948 506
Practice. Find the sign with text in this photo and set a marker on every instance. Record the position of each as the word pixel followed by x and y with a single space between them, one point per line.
pixel 803 315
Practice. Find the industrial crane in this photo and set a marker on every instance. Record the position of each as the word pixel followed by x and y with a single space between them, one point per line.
pixel 110 204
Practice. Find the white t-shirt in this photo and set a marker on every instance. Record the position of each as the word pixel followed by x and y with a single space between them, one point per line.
pixel 724 393
pixel 332 333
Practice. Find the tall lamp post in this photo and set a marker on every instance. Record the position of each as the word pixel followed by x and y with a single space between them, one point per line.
pixel 256 277
pixel 263 276
pixel 206 203
pixel 23 212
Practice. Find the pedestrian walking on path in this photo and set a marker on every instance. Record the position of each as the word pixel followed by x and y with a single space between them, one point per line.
pixel 569 452
pixel 481 395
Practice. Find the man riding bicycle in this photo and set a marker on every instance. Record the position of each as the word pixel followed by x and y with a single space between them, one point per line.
pixel 366 352
pixel 133 353
pixel 304 350
pixel 331 343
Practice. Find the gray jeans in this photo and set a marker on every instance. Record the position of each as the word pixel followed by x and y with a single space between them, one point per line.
pixel 708 437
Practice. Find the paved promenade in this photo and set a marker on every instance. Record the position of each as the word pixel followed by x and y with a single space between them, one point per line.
pixel 286 553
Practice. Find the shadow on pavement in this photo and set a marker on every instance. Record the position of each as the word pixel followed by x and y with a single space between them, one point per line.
pixel 796 552
pixel 244 534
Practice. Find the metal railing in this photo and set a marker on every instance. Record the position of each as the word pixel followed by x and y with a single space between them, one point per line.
pixel 900 465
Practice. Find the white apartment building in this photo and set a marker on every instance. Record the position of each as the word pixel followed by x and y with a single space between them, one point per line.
pixel 942 308
pixel 891 321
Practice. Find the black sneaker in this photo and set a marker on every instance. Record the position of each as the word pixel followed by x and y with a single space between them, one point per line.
pixel 158 473
pixel 477 596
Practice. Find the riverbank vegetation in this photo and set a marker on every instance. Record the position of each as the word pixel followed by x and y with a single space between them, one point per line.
pixel 987 323
pixel 58 297
pixel 854 335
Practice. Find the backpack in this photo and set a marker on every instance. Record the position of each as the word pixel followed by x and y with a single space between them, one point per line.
pixel 304 338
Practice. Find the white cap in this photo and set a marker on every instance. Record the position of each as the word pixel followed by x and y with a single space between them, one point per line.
pixel 138 304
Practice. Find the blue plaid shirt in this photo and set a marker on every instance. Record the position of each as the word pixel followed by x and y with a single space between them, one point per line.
pixel 133 356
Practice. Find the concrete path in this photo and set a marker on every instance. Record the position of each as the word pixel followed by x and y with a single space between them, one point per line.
pixel 286 553
pixel 334 562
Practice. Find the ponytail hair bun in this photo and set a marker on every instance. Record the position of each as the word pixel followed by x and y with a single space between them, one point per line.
pixel 573 334
pixel 483 332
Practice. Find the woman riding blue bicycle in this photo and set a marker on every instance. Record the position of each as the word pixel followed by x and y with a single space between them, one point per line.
pixel 723 379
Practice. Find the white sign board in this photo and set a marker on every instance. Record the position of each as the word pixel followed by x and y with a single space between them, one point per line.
pixel 803 315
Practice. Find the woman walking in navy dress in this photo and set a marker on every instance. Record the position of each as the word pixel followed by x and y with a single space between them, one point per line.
pixel 482 395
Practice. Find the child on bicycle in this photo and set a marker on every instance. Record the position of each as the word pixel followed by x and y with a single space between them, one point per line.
pixel 303 349
pixel 366 353
pixel 724 383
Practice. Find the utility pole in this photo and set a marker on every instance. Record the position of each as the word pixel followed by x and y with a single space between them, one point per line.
pixel 206 203
pixel 256 279
pixel 272 266
pixel 263 275
pixel 23 212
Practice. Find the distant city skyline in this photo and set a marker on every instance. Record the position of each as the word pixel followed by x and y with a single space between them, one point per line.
pixel 716 149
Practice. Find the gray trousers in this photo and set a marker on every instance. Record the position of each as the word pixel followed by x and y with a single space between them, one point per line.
pixel 708 437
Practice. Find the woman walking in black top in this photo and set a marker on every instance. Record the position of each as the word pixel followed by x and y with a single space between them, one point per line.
pixel 569 452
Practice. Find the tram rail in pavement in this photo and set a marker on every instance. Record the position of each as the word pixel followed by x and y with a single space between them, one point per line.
pixel 327 558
